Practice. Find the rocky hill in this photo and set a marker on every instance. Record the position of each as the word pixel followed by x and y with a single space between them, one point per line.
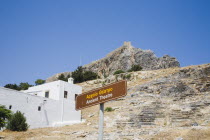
pixel 164 104
pixel 123 58
pixel 126 56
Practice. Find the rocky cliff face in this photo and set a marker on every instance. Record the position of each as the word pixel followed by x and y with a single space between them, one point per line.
pixel 124 57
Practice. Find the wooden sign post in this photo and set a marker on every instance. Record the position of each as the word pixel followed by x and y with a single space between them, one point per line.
pixel 100 96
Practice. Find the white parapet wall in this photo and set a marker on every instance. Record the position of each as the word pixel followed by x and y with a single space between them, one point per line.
pixel 44 112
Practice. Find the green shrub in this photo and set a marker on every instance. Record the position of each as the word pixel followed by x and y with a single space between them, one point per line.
pixel 39 82
pixel 80 75
pixel 135 68
pixel 62 77
pixel 12 86
pixel 128 76
pixel 89 75
pixel 17 122
pixel 118 72
pixel 24 86
pixel 21 86
pixel 5 114
pixel 109 109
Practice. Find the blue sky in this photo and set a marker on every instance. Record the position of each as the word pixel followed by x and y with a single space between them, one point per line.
pixel 39 38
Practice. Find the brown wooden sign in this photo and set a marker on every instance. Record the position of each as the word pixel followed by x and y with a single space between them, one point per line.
pixel 101 95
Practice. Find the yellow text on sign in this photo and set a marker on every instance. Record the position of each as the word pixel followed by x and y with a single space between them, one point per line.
pixel 101 92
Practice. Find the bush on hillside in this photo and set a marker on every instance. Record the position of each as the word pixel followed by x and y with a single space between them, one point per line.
pixel 80 75
pixel 135 68
pixel 128 76
pixel 21 86
pixel 5 114
pixel 89 75
pixel 118 72
pixel 39 82
pixel 62 77
pixel 24 86
pixel 109 109
pixel 12 86
pixel 17 122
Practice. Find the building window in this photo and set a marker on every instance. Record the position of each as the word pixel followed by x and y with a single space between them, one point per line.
pixel 39 108
pixel 10 107
pixel 65 94
pixel 47 94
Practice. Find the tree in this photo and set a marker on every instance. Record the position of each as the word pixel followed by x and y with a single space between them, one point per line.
pixel 39 82
pixel 135 68
pixel 21 86
pixel 89 75
pixel 17 122
pixel 62 77
pixel 5 114
pixel 12 86
pixel 24 86
pixel 78 75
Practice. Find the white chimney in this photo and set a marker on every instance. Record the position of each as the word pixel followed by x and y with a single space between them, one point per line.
pixel 71 80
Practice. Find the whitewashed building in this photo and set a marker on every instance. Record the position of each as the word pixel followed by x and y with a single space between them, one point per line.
pixel 47 105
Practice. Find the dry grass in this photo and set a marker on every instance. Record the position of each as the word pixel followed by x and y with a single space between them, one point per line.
pixel 186 134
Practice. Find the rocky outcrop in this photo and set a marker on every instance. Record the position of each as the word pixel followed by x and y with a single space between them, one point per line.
pixel 55 77
pixel 177 98
pixel 124 57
